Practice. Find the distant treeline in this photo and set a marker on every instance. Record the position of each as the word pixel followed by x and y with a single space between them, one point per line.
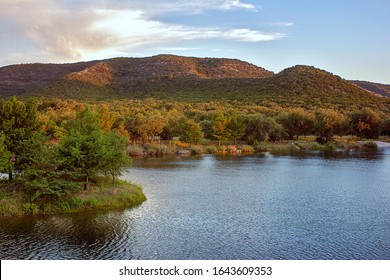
pixel 143 121
pixel 50 149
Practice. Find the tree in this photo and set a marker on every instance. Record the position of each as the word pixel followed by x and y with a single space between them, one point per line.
pixel 328 123
pixel 114 159
pixel 154 125
pixel 236 127
pixel 255 129
pixel 297 122
pixel 385 127
pixel 365 123
pixel 173 124
pixel 90 150
pixel 191 132
pixel 107 118
pixel 18 122
pixel 219 129
pixel 275 130
pixel 44 176
pixel 5 157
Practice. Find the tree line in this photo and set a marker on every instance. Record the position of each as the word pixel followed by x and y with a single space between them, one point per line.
pixel 145 121
pixel 49 148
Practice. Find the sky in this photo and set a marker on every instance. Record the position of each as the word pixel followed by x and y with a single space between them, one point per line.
pixel 350 38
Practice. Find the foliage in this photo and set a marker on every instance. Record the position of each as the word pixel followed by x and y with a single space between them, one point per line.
pixel 328 123
pixel 44 176
pixel 18 121
pixel 89 150
pixel 191 132
pixel 385 127
pixel 219 124
pixel 255 130
pixel 297 122
pixel 5 157
pixel 236 127
pixel 365 123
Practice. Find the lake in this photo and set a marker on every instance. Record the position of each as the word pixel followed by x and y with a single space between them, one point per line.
pixel 318 206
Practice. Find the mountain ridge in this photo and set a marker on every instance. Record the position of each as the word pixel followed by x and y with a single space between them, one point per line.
pixel 22 78
pixel 188 78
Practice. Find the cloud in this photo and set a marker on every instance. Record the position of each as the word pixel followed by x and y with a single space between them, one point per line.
pixel 60 32
pixel 154 7
pixel 237 4
pixel 65 31
pixel 177 49
pixel 247 35
pixel 282 24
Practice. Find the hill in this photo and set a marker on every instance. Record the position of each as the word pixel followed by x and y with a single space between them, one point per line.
pixel 180 78
pixel 120 74
pixel 380 89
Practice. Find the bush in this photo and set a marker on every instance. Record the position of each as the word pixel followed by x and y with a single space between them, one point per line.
pixel 30 208
pixel 370 145
pixel 134 150
pixel 246 149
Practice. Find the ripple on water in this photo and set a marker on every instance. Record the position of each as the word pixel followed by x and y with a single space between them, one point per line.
pixel 227 208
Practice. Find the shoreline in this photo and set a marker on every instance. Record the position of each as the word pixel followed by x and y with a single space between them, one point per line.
pixel 172 148
pixel 106 196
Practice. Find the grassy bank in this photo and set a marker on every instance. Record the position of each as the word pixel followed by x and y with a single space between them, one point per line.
pixel 103 195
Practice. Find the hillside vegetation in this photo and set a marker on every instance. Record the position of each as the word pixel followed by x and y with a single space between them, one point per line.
pixel 189 79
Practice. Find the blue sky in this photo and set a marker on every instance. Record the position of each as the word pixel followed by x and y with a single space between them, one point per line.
pixel 350 38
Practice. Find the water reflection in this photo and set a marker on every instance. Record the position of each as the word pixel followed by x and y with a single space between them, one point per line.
pixel 306 206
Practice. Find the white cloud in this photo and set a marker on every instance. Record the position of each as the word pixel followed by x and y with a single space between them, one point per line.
pixel 154 7
pixel 282 24
pixel 177 49
pixel 67 33
pixel 232 4
pixel 247 35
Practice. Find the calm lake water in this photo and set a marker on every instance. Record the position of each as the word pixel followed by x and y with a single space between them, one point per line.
pixel 334 206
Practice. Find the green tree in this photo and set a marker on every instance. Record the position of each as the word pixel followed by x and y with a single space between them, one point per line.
pixel 191 132
pixel 44 176
pixel 236 127
pixel 297 122
pixel 5 157
pixel 275 130
pixel 328 123
pixel 90 150
pixel 255 129
pixel 114 159
pixel 18 122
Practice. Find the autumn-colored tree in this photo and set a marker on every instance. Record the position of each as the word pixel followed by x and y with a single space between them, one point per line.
pixel 172 124
pixel 106 118
pixel 297 122
pixel 365 123
pixel 219 129
pixel 328 123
